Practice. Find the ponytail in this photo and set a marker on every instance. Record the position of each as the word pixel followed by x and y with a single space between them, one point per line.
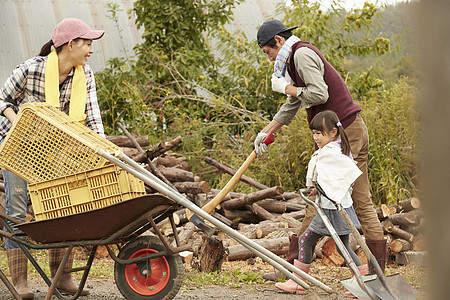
pixel 46 49
pixel 345 144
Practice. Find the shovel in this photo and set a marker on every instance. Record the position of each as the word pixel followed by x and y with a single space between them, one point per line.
pixel 211 205
pixel 393 287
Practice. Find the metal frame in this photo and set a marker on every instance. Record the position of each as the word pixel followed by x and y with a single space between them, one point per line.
pixel 126 234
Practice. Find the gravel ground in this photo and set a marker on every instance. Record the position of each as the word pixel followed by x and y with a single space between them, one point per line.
pixel 106 289
pixel 101 289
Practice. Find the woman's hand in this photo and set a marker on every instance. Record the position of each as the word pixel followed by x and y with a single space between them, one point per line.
pixel 10 114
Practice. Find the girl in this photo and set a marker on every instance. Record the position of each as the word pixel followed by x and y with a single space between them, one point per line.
pixel 61 78
pixel 333 168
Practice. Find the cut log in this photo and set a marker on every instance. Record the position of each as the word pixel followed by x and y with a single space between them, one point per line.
pixel 331 257
pixel 261 233
pixel 404 219
pixel 278 246
pixel 240 216
pixel 273 205
pixel 231 171
pixel 293 223
pixel 172 161
pixel 187 231
pixel 260 212
pixel 162 147
pixel 407 205
pixel 176 175
pixel 124 141
pixel 192 187
pixel 211 255
pixel 252 198
pixel 383 211
pixel 416 229
pixel 399 245
pixel 388 227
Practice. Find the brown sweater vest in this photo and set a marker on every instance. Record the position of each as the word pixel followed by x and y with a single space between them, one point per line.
pixel 340 100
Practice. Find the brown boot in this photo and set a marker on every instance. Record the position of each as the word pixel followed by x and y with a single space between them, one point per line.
pixel 291 255
pixel 363 270
pixel 18 265
pixel 65 283
pixel 291 286
pixel 379 250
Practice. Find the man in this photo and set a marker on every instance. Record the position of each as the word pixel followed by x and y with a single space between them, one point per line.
pixel 310 82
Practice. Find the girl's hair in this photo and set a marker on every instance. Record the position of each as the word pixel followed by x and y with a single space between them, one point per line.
pixel 47 48
pixel 271 43
pixel 325 121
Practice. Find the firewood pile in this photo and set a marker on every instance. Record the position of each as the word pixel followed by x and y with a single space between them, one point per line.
pixel 268 216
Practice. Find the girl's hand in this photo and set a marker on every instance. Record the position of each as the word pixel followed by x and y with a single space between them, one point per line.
pixel 313 192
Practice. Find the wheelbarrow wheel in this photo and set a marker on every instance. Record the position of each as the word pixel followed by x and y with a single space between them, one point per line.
pixel 159 278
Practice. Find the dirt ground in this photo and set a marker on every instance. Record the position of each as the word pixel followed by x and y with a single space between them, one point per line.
pixel 101 289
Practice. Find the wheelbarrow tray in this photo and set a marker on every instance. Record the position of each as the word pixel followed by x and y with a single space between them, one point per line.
pixel 95 224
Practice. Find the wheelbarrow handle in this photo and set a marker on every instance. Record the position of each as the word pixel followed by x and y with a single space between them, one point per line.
pixel 134 168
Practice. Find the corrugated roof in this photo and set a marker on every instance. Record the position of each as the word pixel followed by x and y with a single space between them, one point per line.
pixel 26 25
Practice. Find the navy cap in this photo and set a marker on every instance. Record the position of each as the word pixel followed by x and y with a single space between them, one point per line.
pixel 269 29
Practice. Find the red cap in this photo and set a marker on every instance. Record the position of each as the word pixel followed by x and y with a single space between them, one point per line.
pixel 70 29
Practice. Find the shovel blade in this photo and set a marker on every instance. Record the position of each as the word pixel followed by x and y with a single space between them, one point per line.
pixel 399 288
pixel 353 287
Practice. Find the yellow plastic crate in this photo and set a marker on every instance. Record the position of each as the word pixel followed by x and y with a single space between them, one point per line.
pixel 83 192
pixel 45 143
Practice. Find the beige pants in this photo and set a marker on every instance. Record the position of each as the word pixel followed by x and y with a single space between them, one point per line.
pixel 359 141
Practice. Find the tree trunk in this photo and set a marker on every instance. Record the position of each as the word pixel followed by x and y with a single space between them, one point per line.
pixel 211 255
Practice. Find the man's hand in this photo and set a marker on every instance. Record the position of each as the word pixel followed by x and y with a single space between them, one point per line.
pixel 279 84
pixel 260 147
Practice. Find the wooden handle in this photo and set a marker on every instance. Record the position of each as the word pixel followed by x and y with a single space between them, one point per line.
pixel 211 205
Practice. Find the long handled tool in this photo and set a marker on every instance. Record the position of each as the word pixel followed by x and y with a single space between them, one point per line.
pixel 211 205
pixel 376 286
pixel 286 268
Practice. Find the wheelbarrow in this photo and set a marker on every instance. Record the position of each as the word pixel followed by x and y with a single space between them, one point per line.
pixel 373 286
pixel 146 267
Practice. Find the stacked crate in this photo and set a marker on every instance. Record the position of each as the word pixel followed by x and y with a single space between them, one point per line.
pixel 57 156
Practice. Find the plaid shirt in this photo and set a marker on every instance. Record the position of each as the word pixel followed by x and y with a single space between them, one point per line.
pixel 27 84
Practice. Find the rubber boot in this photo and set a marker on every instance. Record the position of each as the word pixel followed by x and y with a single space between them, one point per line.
pixel 379 250
pixel 65 284
pixel 291 255
pixel 291 286
pixel 364 270
pixel 18 266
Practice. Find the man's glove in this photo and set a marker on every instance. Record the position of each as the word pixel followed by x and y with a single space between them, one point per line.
pixel 260 147
pixel 279 84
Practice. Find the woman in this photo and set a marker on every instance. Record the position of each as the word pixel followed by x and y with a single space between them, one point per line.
pixel 61 78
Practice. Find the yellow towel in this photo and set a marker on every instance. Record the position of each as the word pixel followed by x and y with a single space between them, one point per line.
pixel 78 95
